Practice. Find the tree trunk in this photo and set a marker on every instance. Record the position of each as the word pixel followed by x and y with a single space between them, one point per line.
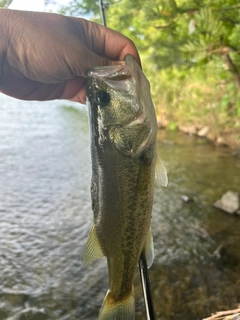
pixel 233 69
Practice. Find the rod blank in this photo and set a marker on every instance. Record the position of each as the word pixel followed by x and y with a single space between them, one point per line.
pixel 102 9
pixel 143 269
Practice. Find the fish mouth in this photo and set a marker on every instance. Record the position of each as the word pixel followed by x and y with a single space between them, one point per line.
pixel 114 72
pixel 123 76
pixel 117 77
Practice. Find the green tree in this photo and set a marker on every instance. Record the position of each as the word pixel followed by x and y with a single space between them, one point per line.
pixel 215 34
pixel 175 33
pixel 5 3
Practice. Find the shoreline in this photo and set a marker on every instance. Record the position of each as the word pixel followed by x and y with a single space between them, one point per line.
pixel 228 138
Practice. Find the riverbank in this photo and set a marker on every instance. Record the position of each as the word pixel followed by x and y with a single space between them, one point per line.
pixel 199 102
pixel 228 138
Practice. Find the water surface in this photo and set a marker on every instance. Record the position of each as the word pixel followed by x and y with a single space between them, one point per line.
pixel 45 216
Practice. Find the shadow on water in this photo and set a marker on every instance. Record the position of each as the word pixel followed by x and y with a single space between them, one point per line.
pixel 45 216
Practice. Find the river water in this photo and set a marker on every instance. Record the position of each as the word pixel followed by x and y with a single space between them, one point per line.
pixel 45 216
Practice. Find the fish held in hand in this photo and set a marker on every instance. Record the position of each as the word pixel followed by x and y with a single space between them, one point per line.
pixel 123 131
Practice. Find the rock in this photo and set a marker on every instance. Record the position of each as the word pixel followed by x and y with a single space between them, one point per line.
pixel 211 136
pixel 236 153
pixel 224 258
pixel 162 122
pixel 229 202
pixel 219 253
pixel 221 141
pixel 168 142
pixel 203 132
pixel 187 198
pixel 191 129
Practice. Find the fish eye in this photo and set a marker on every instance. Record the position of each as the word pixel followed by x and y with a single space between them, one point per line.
pixel 103 98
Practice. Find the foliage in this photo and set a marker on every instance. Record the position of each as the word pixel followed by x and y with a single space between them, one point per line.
pixel 5 3
pixel 180 32
pixel 196 97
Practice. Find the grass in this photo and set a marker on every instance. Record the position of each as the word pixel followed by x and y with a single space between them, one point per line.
pixel 197 98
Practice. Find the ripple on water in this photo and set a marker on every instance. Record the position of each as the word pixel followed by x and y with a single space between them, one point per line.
pixel 45 216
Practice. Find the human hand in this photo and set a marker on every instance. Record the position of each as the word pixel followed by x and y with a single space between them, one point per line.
pixel 45 56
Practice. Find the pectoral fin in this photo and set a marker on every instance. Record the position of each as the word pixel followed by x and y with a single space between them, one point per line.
pixel 93 250
pixel 148 249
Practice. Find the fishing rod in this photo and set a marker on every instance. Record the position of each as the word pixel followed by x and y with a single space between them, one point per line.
pixel 143 269
pixel 102 9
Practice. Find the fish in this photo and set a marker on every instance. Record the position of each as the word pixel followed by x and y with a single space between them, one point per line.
pixel 123 129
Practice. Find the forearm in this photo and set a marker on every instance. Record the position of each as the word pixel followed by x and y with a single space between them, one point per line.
pixel 3 37
pixel 4 25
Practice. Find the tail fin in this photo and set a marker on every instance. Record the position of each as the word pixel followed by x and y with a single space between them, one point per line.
pixel 120 310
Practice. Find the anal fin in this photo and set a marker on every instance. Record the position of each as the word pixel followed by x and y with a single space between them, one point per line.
pixel 93 250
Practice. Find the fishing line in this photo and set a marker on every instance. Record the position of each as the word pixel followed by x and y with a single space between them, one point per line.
pixel 143 269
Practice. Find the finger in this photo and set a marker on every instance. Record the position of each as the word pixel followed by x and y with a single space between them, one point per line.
pixel 75 90
pixel 105 42
pixel 80 96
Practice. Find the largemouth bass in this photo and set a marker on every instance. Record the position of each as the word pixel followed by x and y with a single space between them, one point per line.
pixel 123 130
